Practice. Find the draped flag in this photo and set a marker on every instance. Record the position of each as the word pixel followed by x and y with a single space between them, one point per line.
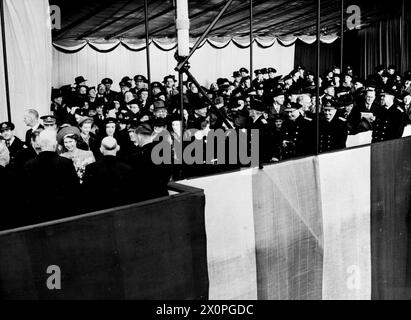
pixel 332 227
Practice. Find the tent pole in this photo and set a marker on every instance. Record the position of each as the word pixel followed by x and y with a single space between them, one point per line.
pixel 6 71
pixel 205 34
pixel 317 106
pixel 403 65
pixel 342 36
pixel 147 48
pixel 251 39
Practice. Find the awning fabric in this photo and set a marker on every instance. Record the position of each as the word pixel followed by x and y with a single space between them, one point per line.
pixel 167 44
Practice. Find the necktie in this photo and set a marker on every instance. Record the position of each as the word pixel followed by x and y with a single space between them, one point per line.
pixel 8 144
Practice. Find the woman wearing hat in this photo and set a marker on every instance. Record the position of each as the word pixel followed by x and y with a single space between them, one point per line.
pixel 69 138
pixel 88 140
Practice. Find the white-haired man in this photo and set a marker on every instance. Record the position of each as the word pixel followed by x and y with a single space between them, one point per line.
pixel 32 120
pixel 110 183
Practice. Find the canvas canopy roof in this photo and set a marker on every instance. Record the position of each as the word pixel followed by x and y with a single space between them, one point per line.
pixel 124 19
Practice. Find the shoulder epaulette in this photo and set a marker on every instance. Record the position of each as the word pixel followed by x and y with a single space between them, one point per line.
pixel 342 119
pixel 264 121
pixel 309 119
pixel 399 108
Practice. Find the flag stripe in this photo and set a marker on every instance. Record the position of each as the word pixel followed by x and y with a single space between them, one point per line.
pixel 345 194
pixel 288 231
pixel 230 235
pixel 390 216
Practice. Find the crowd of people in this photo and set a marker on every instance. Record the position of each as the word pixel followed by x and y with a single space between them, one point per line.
pixel 93 151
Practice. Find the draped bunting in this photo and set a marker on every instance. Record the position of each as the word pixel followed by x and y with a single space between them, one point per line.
pixel 207 64
pixel 166 44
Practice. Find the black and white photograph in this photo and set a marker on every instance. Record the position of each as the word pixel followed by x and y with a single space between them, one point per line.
pixel 205 156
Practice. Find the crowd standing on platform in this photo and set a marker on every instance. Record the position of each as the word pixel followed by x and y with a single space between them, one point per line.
pixel 93 151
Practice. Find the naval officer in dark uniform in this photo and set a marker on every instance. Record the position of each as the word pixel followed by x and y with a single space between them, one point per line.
pixel 389 119
pixel 333 129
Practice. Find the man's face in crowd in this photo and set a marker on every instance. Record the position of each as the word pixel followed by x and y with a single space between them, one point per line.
pixel 349 108
pixel 407 100
pixel 139 84
pixel 161 113
pixel 110 129
pixel 271 75
pixel 156 90
pixel 86 128
pixel 248 83
pixel 202 112
pixel 279 100
pixel 83 90
pixel 125 89
pixel 170 83
pixel 107 86
pixel 292 114
pixel 29 120
pixel 58 100
pixel 407 83
pixel 101 89
pixel 144 96
pixel 134 108
pixel 92 93
pixel 370 97
pixel 7 134
pixel 329 113
pixel 330 91
pixel 278 123
pixel 133 136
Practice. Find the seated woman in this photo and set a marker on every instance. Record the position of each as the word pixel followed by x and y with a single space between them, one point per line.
pixel 69 137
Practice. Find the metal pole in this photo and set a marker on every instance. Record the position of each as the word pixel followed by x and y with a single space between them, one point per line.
pixel 205 34
pixel 251 39
pixel 317 107
pixel 342 36
pixel 6 71
pixel 192 79
pixel 147 48
pixel 402 39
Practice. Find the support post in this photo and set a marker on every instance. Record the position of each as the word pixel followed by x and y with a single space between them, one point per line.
pixel 205 34
pixel 147 48
pixel 317 106
pixel 6 71
pixel 251 39
pixel 404 64
pixel 342 36
pixel 192 79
